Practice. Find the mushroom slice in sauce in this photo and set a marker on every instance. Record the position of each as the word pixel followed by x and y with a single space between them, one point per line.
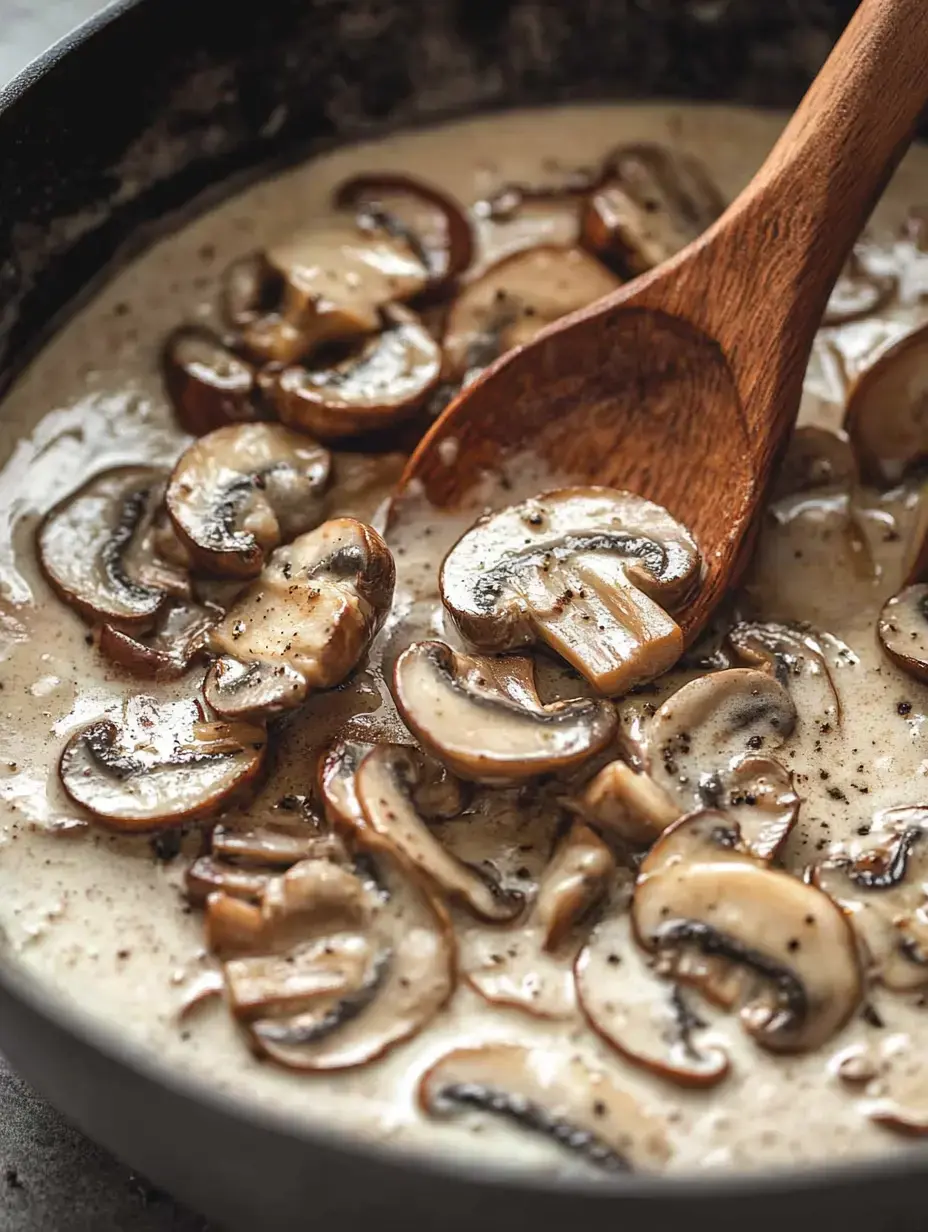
pixel 161 765
pixel 859 291
pixel 903 630
pixel 514 299
pixel 520 216
pixel 166 652
pixel 885 416
pixel 880 880
pixel 701 745
pixel 337 785
pixel 208 384
pixel 816 457
pixel 554 1094
pixel 648 1021
pixel 653 201
pixel 483 718
pixel 529 966
pixel 434 226
pixel 304 624
pixel 894 1079
pixel 628 802
pixel 238 492
pixel 384 381
pixel 97 548
pixel 208 875
pixel 796 657
pixel 590 572
pixel 385 782
pixel 327 284
pixel 746 935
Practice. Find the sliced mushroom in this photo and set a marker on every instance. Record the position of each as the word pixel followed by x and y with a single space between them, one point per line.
pixel 591 572
pixel 903 630
pixel 628 802
pixel 859 291
pixel 208 875
pixel 167 652
pixel 647 1021
pixel 521 216
pixel 816 457
pixel 98 551
pixel 385 782
pixel 338 785
pixel 304 624
pixel 894 1079
pixel 208 384
pixel 238 492
pixel 514 299
pixel 384 381
pixel 746 935
pixel 879 879
pixel 653 201
pixel 551 1093
pixel 793 654
pixel 887 411
pixel 434 226
pixel 483 717
pixel 529 966
pixel 161 765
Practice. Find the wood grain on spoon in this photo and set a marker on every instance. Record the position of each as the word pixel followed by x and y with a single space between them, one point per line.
pixel 683 385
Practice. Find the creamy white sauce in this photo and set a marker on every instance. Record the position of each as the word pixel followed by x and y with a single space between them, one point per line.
pixel 97 919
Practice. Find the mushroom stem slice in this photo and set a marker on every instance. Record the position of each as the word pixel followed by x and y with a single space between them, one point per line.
pixel 239 491
pixel 646 1021
pixel 576 878
pixel 627 802
pixel 161 765
pixel 179 635
pixel 903 630
pixel 885 411
pixel 385 783
pixel 593 574
pixel 209 385
pixel 552 1094
pixel 489 725
pixel 746 935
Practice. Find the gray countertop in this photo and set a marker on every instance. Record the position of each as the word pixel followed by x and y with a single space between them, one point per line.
pixel 51 1178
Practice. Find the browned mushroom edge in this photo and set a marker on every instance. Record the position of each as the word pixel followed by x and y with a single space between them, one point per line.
pixel 208 384
pixel 167 652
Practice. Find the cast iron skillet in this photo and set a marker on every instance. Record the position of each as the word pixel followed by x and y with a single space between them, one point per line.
pixel 161 106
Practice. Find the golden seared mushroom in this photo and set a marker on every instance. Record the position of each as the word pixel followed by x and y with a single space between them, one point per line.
pixel 795 655
pixel 590 572
pixel 435 226
pixel 327 284
pixel 903 630
pixel 702 747
pixel 859 292
pixel 238 492
pixel 335 967
pixel 208 384
pixel 646 1020
pixel 550 1093
pixel 651 203
pixel 166 652
pixel 161 765
pixel 304 624
pixel 514 299
pixel 483 718
pixel 98 549
pixel 879 879
pixel 816 457
pixel 886 411
pixel 385 782
pixel 382 382
pixel 747 936
pixel 529 966
pixel 892 1078
pixel 628 802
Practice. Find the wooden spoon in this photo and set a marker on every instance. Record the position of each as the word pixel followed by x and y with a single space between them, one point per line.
pixel 683 385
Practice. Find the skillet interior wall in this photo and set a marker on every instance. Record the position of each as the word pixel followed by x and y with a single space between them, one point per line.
pixel 171 98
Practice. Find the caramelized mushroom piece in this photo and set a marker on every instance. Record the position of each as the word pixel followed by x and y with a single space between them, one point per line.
pixel 161 765
pixel 97 549
pixel 529 966
pixel 652 202
pixel 590 572
pixel 554 1094
pixel 385 782
pixel 514 299
pixel 628 802
pixel 304 624
pixel 903 630
pixel 886 411
pixel 859 291
pixel 208 384
pixel 238 492
pixel 483 718
pixel 434 226
pixel 815 457
pixel 647 1021
pixel 384 381
pixel 167 652
pixel 746 935
pixel 880 879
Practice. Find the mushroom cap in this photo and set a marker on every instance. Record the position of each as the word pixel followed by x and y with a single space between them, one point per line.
pixel 903 630
pixel 591 575
pixel 239 491
pixel 208 384
pixel 747 935
pixel 467 711
pixel 885 410
pixel 162 765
